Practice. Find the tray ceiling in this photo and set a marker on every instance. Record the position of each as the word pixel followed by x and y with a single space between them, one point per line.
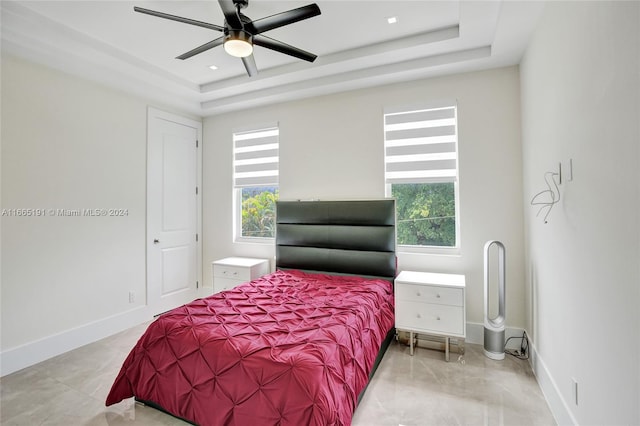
pixel 108 42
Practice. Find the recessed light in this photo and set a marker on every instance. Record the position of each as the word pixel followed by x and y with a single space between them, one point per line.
pixel 213 67
pixel 392 20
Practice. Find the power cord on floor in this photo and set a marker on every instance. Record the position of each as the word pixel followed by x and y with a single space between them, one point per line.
pixel 523 352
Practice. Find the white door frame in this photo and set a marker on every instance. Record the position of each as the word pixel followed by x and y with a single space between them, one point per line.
pixel 156 113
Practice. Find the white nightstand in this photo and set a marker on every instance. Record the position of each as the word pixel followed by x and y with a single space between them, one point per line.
pixel 231 271
pixel 430 303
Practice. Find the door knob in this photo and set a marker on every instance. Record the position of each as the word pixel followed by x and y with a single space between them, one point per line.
pixel 156 241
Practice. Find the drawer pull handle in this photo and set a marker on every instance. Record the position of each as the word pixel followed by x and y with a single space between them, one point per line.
pixel 438 296
pixel 418 316
pixel 438 318
pixel 418 293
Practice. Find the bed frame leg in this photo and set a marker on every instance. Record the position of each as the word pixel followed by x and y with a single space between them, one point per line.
pixel 446 348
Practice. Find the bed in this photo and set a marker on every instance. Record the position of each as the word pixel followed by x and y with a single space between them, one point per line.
pixel 295 347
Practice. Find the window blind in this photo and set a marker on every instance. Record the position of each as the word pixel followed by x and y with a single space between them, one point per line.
pixel 255 157
pixel 421 145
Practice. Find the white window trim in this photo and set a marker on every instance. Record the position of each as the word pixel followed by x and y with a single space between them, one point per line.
pixel 237 191
pixel 435 250
pixel 455 250
pixel 237 223
pixel 432 250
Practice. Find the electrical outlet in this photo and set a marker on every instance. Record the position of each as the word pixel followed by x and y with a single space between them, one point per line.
pixel 132 297
pixel 574 387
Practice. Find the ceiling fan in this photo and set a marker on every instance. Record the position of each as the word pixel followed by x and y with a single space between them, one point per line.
pixel 240 33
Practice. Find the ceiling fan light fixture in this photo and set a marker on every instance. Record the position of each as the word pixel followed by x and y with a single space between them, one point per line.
pixel 239 32
pixel 238 44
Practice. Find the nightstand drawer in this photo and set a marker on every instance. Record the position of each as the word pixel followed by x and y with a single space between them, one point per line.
pixel 429 294
pixel 221 284
pixel 232 272
pixel 430 318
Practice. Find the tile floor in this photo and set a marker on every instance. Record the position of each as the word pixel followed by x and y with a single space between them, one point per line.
pixel 70 389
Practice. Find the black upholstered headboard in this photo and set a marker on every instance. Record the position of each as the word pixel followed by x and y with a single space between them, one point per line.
pixel 349 237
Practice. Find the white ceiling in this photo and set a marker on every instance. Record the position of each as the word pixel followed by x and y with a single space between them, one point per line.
pixel 108 42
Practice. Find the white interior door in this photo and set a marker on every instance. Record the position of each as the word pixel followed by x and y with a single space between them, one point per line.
pixel 172 210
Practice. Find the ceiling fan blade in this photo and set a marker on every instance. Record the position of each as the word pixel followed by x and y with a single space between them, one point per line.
pixel 203 48
pixel 278 46
pixel 284 18
pixel 250 65
pixel 178 18
pixel 230 14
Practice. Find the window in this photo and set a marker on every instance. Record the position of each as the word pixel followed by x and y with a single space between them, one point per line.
pixel 255 180
pixel 421 173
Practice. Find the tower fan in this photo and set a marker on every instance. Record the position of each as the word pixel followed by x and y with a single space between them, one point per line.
pixel 494 327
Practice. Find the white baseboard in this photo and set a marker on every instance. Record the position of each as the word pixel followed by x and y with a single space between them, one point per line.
pixel 557 404
pixel 32 353
pixel 475 333
pixel 23 356
pixel 14 359
pixel 205 291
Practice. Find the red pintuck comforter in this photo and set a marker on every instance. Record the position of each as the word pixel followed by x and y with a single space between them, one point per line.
pixel 290 348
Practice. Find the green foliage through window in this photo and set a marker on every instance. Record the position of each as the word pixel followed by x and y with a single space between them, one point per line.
pixel 259 211
pixel 426 214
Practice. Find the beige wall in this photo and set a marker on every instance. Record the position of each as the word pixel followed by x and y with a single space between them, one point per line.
pixel 580 101
pixel 69 144
pixel 331 147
